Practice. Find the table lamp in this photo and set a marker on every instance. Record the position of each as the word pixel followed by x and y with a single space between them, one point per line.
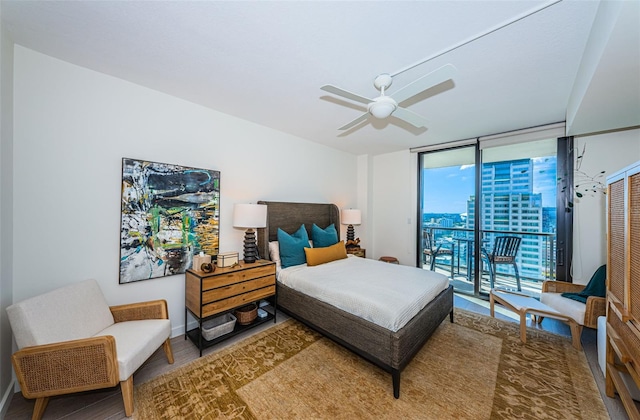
pixel 351 217
pixel 250 217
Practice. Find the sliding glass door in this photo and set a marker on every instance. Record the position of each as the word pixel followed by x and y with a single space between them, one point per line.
pixel 507 238
pixel 447 189
pixel 518 191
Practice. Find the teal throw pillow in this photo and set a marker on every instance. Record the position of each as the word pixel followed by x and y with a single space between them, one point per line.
pixel 292 247
pixel 323 238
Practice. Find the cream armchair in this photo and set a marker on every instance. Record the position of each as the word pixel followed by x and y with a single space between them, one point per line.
pixel 585 314
pixel 70 341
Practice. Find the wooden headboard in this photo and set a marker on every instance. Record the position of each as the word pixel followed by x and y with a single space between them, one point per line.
pixel 289 217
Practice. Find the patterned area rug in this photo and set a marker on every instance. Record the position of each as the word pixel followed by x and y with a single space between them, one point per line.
pixel 475 368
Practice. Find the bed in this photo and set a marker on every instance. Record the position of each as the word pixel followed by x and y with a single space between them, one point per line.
pixel 390 350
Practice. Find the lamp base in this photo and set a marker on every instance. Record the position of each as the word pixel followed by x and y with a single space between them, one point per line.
pixel 250 247
pixel 350 233
pixel 351 243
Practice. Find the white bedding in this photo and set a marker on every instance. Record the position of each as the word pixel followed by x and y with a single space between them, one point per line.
pixel 388 295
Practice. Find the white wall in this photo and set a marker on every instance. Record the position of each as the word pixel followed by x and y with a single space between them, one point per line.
pixel 364 203
pixel 394 201
pixel 6 214
pixel 604 152
pixel 72 128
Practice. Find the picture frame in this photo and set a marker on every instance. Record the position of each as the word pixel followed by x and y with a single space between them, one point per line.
pixel 169 213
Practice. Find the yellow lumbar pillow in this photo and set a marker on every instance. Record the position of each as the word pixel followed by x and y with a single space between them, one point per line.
pixel 317 256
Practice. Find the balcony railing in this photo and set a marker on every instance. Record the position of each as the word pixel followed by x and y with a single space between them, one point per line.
pixel 535 259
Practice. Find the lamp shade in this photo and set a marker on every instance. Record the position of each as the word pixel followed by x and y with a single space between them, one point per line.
pixel 351 217
pixel 249 216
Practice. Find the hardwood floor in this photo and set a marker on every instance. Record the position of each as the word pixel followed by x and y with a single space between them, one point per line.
pixel 107 404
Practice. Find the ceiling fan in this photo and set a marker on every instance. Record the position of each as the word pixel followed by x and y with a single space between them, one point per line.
pixel 385 105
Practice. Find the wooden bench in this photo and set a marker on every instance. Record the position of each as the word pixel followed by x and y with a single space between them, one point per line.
pixel 523 305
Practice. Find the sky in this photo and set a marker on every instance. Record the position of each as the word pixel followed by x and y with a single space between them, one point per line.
pixel 448 189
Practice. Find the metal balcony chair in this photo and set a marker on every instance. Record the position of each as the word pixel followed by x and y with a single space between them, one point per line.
pixel 505 249
pixel 432 251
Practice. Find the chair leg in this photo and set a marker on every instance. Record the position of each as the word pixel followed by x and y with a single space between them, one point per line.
pixel 515 267
pixel 127 395
pixel 168 351
pixel 492 274
pixel 38 410
pixel 432 262
pixel 523 326
pixel 576 332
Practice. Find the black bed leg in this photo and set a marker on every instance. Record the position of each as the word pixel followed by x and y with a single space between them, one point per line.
pixel 451 316
pixel 395 374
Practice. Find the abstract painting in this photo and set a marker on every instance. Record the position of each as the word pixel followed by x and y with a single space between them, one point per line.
pixel 169 213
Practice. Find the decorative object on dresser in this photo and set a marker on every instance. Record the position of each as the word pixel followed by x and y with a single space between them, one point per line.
pixel 227 259
pixel 168 213
pixel 351 217
pixel 357 251
pixel 200 260
pixel 250 216
pixel 209 296
pixel 623 285
pixel 208 267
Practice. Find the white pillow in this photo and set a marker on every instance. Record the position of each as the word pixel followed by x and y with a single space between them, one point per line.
pixel 274 254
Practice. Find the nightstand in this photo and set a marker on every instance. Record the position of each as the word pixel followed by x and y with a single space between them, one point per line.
pixel 208 295
pixel 358 252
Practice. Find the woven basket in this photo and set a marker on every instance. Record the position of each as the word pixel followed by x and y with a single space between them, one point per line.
pixel 247 314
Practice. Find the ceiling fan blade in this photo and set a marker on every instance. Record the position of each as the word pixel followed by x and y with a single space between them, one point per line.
pixel 354 122
pixel 410 117
pixel 345 94
pixel 436 77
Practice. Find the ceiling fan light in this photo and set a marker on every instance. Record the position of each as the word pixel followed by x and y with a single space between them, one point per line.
pixel 382 107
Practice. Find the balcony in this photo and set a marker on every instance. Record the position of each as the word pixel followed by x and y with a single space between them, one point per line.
pixel 535 260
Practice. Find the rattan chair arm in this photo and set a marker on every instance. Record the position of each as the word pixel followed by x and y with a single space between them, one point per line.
pixel 596 307
pixel 155 309
pixel 560 287
pixel 67 367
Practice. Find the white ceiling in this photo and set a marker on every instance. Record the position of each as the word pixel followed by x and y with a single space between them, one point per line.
pixel 265 61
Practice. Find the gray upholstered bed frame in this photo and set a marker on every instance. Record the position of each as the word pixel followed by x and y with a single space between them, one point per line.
pixel 392 351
